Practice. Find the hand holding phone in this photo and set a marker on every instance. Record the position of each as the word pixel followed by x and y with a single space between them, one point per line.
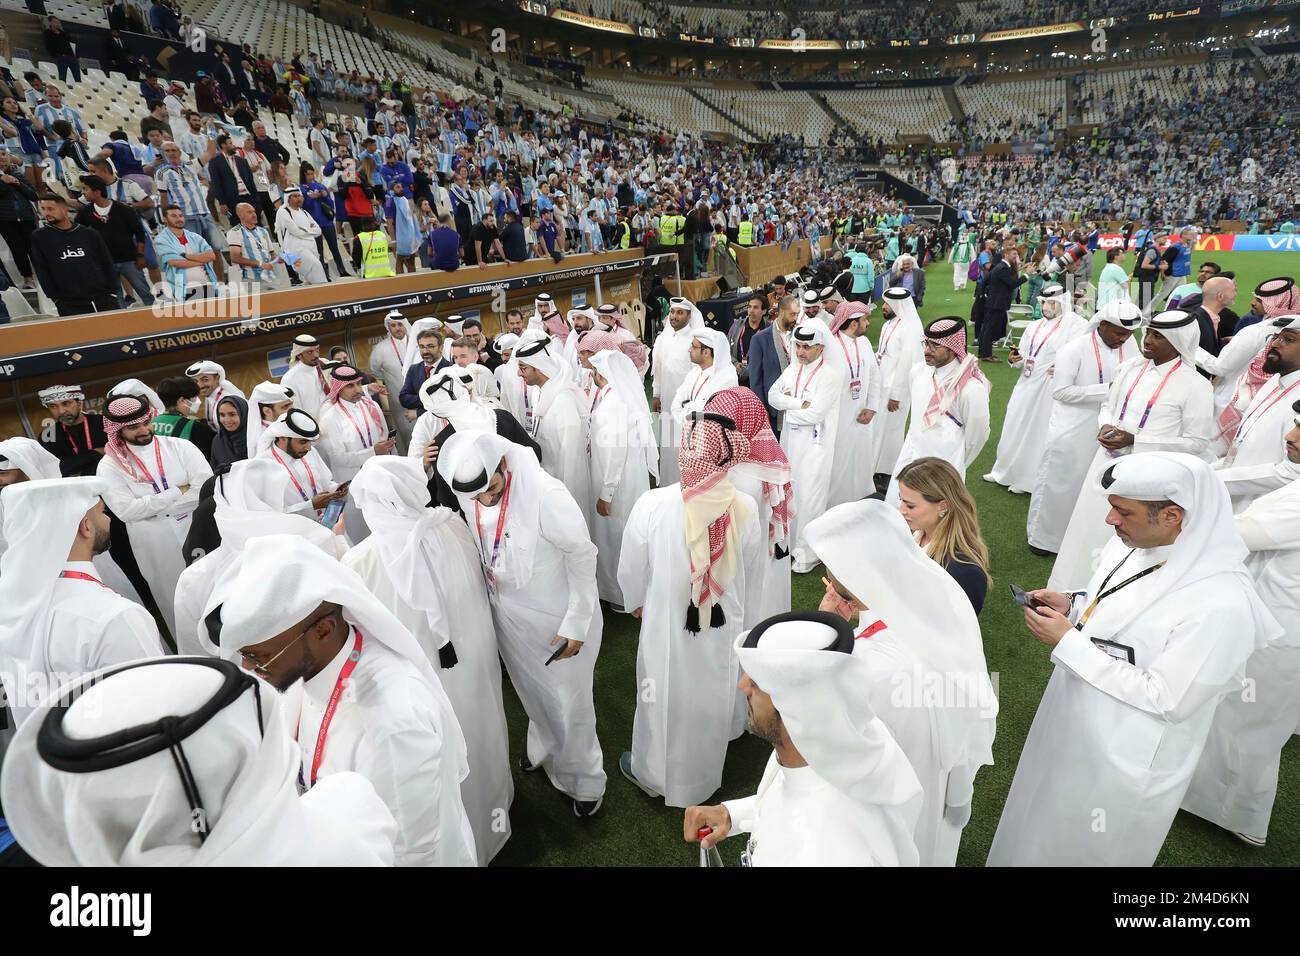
pixel 1023 597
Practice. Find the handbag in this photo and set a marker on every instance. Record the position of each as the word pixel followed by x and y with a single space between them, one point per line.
pixel 973 273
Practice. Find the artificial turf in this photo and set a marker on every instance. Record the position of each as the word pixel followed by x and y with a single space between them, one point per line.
pixel 633 830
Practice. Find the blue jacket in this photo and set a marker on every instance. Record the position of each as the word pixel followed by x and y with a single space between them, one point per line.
pixel 415 377
pixel 764 367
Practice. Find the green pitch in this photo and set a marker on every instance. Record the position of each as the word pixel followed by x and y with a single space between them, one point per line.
pixel 633 830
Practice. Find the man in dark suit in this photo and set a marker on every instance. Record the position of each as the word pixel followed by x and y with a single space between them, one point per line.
pixel 429 343
pixel 232 179
pixel 1000 286
pixel 769 354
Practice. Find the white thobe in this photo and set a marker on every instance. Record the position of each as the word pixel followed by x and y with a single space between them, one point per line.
pixel 426 429
pixel 619 477
pixel 560 428
pixel 298 232
pixel 347 441
pixel 899 352
pixel 700 385
pixel 1179 420
pixel 516 397
pixel 899 685
pixel 1235 783
pixel 308 384
pixel 309 476
pixel 1113 745
pixel 855 443
pixel 1232 361
pixel 670 363
pixel 559 599
pixel 386 367
pixel 1025 427
pixel 1264 423
pixel 387 727
pixel 776 571
pixel 473 686
pixel 91 627
pixel 808 439
pixel 157 521
pixel 798 819
pixel 686 698
pixel 1085 366
pixel 957 437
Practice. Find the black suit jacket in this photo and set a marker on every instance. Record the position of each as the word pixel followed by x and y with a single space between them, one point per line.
pixel 409 397
pixel 223 182
pixel 1000 286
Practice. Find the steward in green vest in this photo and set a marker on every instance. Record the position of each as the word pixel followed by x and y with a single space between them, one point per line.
pixel 374 252
pixel 745 234
pixel 672 229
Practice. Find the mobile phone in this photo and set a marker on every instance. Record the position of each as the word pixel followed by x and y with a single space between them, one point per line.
pixel 554 657
pixel 344 487
pixel 392 433
pixel 332 512
pixel 1021 597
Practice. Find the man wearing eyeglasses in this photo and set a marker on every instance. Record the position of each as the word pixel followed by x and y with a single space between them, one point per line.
pixel 368 700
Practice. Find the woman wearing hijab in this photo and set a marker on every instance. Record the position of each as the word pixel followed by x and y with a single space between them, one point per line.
pixel 231 443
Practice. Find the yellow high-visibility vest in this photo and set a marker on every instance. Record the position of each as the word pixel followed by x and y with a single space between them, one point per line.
pixel 671 230
pixel 626 241
pixel 745 234
pixel 374 255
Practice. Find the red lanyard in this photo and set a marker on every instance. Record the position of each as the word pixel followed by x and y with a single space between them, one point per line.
pixel 501 524
pixel 348 667
pixel 393 342
pixel 162 473
pixel 72 441
pixel 1033 352
pixel 888 334
pixel 799 376
pixel 1096 350
pixel 1274 397
pixel 857 354
pixel 870 631
pixel 599 395
pixel 81 576
pixel 366 440
pixel 292 477
pixel 704 380
pixel 1159 388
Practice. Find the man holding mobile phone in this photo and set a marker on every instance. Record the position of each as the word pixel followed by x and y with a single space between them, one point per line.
pixel 1143 656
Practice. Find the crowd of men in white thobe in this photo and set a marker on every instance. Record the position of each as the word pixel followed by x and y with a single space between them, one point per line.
pixel 372 570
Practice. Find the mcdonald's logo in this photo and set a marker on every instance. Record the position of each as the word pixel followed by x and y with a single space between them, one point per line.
pixel 1216 243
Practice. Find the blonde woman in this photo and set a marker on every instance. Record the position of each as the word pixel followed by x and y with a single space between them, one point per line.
pixel 941 513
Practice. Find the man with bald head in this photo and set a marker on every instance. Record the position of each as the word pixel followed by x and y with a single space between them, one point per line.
pixel 253 251
pixel 1217 296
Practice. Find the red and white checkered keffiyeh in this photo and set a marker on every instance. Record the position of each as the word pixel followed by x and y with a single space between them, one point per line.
pixel 341 376
pixel 943 396
pixel 115 447
pixel 714 516
pixel 597 340
pixel 843 311
pixel 1279 297
pixel 765 459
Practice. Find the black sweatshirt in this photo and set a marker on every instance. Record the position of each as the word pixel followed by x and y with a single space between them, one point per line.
pixel 120 233
pixel 73 263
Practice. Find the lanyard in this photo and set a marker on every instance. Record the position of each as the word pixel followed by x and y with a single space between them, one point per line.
pixel 366 440
pixel 745 341
pixel 798 393
pixel 704 380
pixel 870 631
pixel 857 354
pixel 292 477
pixel 1096 350
pixel 887 334
pixel 162 473
pixel 1159 388
pixel 393 342
pixel 1083 618
pixel 1273 398
pixel 80 576
pixel 1033 352
pixel 501 524
pixel 600 393
pixel 73 442
pixel 318 755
